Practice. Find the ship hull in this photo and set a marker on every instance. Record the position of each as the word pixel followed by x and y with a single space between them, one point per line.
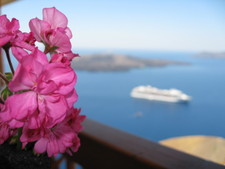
pixel 159 96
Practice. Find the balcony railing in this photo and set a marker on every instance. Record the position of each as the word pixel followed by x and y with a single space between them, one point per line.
pixel 104 147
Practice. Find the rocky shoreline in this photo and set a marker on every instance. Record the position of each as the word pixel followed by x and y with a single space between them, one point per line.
pixel 117 62
pixel 217 55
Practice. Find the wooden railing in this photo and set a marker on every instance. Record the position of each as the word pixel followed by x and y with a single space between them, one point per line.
pixel 104 147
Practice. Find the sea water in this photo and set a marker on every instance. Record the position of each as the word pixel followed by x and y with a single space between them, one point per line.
pixel 105 97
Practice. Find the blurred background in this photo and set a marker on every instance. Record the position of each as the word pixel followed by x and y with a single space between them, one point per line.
pixel 188 37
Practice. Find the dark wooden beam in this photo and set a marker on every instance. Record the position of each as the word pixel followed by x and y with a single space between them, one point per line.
pixel 5 2
pixel 103 147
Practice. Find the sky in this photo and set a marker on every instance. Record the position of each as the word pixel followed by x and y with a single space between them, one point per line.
pixel 169 25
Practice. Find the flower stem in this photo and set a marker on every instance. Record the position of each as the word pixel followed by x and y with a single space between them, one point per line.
pixel 4 78
pixel 6 49
pixel 19 144
pixel 47 49
pixel 2 101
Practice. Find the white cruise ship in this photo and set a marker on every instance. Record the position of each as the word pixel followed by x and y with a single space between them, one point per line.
pixel 152 93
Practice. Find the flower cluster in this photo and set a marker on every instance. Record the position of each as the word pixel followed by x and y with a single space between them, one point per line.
pixel 37 101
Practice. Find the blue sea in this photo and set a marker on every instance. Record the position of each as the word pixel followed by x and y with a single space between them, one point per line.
pixel 105 97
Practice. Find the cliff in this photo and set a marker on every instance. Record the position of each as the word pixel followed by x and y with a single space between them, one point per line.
pixel 220 55
pixel 116 62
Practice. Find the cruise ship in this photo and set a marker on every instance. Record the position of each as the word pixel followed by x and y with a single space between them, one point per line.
pixel 151 93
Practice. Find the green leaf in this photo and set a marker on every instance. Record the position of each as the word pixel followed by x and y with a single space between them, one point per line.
pixel 8 76
pixel 6 93
pixel 54 48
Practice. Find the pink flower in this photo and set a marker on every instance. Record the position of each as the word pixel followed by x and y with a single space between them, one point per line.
pixel 56 19
pixel 40 94
pixel 74 119
pixel 22 41
pixel 5 131
pixel 8 29
pixel 65 58
pixel 49 91
pixel 9 32
pixel 52 30
pixel 57 140
pixel 30 135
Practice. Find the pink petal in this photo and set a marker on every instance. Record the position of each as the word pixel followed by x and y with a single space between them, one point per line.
pixel 41 145
pixel 65 89
pixel 74 119
pixel 54 17
pixel 64 58
pixel 60 138
pixel 22 105
pixel 62 75
pixel 2 107
pixel 59 73
pixel 28 71
pixel 8 29
pixel 4 132
pixel 36 120
pixel 3 21
pixel 15 123
pixel 21 80
pixel 71 55
pixel 14 25
pixel 30 135
pixel 5 39
pixel 5 114
pixel 6 26
pixel 62 148
pixel 39 56
pixel 38 26
pixel 46 87
pixel 19 53
pixel 55 107
pixel 52 148
pixel 68 33
pixel 22 44
pixel 76 144
pixel 58 39
pixel 71 98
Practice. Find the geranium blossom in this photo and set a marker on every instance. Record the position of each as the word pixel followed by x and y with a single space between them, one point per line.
pixel 62 137
pixel 56 140
pixel 65 58
pixel 74 119
pixel 22 41
pixel 52 30
pixel 48 91
pixel 11 36
pixel 5 131
pixel 37 103
pixel 8 29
